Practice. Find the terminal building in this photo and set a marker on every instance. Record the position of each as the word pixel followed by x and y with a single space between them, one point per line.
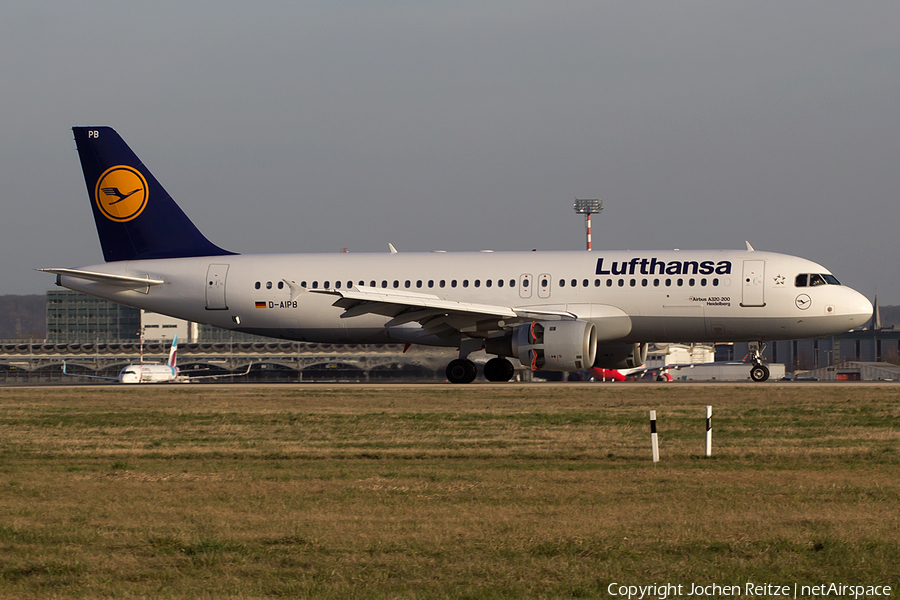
pixel 77 319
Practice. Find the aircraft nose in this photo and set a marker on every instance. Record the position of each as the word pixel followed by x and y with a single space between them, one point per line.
pixel 859 309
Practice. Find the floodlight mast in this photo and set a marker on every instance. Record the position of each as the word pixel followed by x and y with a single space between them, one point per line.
pixel 588 207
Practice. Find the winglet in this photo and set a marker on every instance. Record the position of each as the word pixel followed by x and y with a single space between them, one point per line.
pixel 749 247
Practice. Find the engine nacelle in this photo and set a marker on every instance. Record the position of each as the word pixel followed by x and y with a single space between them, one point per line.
pixel 555 345
pixel 620 356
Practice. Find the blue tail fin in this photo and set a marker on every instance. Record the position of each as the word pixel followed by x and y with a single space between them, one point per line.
pixel 135 217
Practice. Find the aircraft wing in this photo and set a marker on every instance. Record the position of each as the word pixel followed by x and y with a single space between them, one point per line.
pixel 86 376
pixel 435 314
pixel 190 378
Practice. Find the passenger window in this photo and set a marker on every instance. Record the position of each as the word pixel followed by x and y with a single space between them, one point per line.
pixel 406 283
pixel 715 282
pixel 453 283
pixel 337 284
pixel 257 285
pixel 691 282
pixel 609 283
pixel 477 283
pixel 371 283
pixel 703 282
pixel 680 282
pixel 643 282
pixel 596 283
pixel 656 283
pixel 574 283
pixel 396 284
pixel 418 283
pixel 544 282
pixel 443 283
pixel 668 283
pixel 268 285
pixel 431 283
pixel 584 283
pixel 488 283
pixel 280 285
pixel 383 283
pixel 303 284
pixel 499 283
pixel 325 285
pixel 465 283
pixel 315 285
pixel 350 284
pixel 621 283
pixel 562 283
pixel 525 282
pixel 633 282
pixel 801 280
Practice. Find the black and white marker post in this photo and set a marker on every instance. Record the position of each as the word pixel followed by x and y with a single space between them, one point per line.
pixel 654 441
pixel 709 430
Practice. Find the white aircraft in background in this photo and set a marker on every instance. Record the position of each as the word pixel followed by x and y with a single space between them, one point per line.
pixel 144 373
pixel 150 373
pixel 558 311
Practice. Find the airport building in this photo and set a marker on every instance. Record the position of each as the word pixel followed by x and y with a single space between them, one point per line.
pixel 76 317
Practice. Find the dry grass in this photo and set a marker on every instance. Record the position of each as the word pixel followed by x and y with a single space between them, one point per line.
pixel 476 492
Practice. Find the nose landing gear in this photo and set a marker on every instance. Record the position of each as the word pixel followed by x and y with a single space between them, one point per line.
pixel 759 371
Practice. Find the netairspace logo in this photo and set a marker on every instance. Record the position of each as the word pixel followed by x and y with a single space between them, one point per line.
pixel 668 590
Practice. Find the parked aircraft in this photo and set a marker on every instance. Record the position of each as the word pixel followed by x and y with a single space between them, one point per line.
pixel 561 311
pixel 143 373
pixel 150 373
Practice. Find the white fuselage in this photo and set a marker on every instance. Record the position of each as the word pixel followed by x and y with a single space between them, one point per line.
pixel 148 374
pixel 631 296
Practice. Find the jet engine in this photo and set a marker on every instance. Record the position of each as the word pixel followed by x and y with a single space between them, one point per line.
pixel 549 345
pixel 620 356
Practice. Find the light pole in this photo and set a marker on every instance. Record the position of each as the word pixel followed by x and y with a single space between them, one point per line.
pixel 587 208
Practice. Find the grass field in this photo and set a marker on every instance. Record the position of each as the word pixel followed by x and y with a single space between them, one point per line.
pixel 484 491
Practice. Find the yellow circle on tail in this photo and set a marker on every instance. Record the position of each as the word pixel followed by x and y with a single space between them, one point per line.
pixel 121 193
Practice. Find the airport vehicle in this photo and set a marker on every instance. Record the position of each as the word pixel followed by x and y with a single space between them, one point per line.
pixel 559 311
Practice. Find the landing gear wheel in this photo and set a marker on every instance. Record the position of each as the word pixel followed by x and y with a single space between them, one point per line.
pixel 461 371
pixel 498 369
pixel 759 373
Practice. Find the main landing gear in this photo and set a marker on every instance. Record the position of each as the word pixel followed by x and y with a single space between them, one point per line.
pixel 462 370
pixel 759 371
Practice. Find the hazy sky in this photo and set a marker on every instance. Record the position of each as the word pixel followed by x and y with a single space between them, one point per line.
pixel 309 126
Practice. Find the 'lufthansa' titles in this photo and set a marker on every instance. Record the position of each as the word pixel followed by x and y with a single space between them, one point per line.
pixel 654 266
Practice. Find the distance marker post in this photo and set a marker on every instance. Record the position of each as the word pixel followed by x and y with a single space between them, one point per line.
pixel 709 430
pixel 654 441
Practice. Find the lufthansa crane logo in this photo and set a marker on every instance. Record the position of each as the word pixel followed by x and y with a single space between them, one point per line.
pixel 121 193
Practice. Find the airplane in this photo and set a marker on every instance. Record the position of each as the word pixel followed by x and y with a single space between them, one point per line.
pixel 143 373
pixel 557 311
pixel 149 373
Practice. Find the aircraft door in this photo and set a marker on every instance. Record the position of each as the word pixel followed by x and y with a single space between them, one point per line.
pixel 525 285
pixel 543 285
pixel 215 287
pixel 753 283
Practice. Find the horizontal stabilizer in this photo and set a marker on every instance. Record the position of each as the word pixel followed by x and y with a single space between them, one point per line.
pixel 120 280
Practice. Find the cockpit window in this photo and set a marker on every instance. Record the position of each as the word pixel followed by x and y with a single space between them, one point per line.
pixel 815 279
